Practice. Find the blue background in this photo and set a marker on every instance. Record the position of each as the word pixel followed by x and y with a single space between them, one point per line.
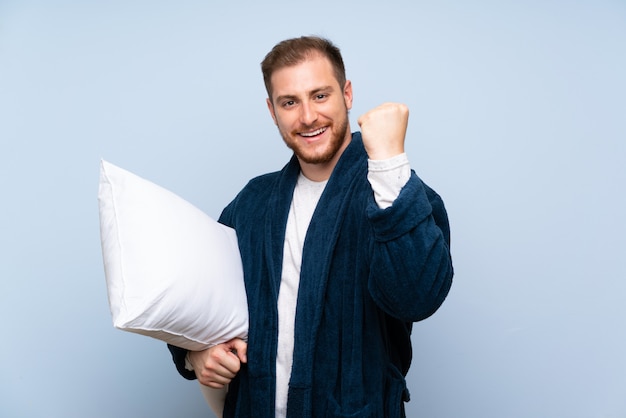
pixel 518 119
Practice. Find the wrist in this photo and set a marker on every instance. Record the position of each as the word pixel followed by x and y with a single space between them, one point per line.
pixel 384 153
pixel 188 365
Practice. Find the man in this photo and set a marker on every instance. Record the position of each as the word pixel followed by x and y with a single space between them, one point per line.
pixel 342 250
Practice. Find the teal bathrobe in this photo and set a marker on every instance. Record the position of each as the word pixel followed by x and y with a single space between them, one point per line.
pixel 367 274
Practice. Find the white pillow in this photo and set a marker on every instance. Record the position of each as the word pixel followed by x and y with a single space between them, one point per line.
pixel 172 272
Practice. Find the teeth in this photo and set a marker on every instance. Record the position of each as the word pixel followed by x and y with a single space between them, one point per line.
pixel 319 131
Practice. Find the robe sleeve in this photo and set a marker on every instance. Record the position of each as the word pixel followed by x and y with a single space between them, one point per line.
pixel 411 266
pixel 178 356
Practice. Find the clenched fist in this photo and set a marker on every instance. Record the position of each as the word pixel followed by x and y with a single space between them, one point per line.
pixel 383 130
pixel 216 366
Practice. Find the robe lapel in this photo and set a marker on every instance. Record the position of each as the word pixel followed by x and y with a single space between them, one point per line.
pixel 264 335
pixel 276 223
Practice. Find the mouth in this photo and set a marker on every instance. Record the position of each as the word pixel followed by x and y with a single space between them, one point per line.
pixel 313 134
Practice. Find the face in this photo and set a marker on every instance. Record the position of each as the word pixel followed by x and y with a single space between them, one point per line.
pixel 310 109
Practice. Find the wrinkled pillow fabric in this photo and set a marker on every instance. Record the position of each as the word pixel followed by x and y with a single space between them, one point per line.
pixel 172 272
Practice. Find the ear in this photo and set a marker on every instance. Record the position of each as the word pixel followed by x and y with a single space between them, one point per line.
pixel 347 94
pixel 270 107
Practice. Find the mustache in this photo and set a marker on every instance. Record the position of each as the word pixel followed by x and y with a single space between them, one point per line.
pixel 310 128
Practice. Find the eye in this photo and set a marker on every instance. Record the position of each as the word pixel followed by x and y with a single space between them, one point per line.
pixel 289 103
pixel 321 96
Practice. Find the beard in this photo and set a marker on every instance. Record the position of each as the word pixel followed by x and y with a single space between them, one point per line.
pixel 339 131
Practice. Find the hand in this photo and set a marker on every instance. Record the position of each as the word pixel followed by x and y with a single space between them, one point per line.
pixel 383 130
pixel 216 366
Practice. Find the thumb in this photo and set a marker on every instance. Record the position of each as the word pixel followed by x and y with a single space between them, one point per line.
pixel 240 347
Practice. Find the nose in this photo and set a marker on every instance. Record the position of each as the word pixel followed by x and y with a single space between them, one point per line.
pixel 308 115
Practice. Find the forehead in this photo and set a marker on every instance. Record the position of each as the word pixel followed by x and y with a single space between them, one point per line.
pixel 314 72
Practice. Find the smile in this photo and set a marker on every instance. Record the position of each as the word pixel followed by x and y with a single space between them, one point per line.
pixel 314 133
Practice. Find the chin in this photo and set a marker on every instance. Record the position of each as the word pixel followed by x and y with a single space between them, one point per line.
pixel 315 159
pixel 322 156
